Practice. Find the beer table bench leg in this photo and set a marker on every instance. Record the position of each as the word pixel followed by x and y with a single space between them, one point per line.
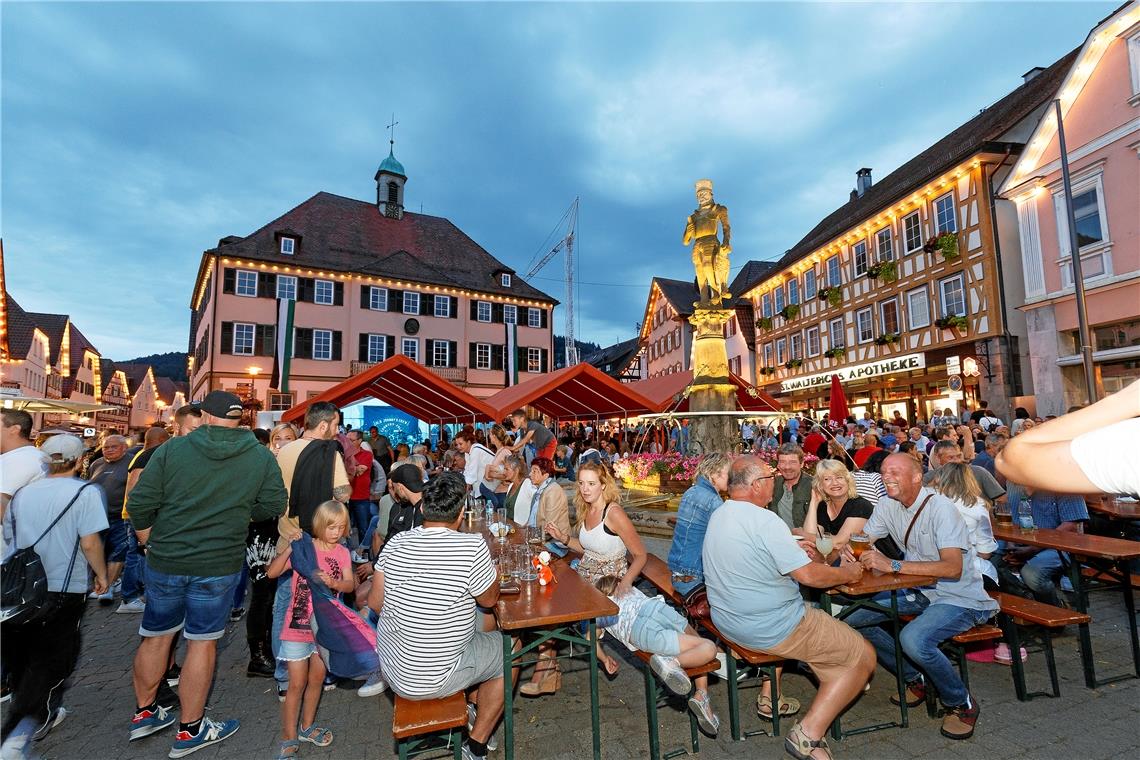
pixel 1083 629
pixel 508 698
pixel 595 718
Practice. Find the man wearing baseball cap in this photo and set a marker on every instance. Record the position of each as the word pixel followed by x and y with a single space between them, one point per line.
pixel 191 510
pixel 406 483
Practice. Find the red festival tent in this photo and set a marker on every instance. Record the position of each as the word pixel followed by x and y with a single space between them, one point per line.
pixel 581 392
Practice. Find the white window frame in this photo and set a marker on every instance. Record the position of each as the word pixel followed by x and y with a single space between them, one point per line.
pixel 793 286
pixel 324 292
pixel 510 314
pixel 766 305
pixel 377 348
pixel 918 318
pixel 482 311
pixel 811 341
pixel 443 301
pixel 245 283
pixel 796 345
pixel 778 299
pixel 938 228
pixel 533 317
pixel 885 252
pixel 883 315
pixel 1134 66
pixel 811 286
pixel 436 356
pixel 870 334
pixel 961 282
pixel 534 360
pixel 410 347
pixel 288 245
pixel 482 356
pixel 769 352
pixel 1094 256
pixel 287 287
pixel 378 299
pixel 856 247
pixel 836 327
pixel 781 350
pixel 834 272
pixel 414 297
pixel 252 338
pixel 322 338
pixel 917 217
pixel 505 280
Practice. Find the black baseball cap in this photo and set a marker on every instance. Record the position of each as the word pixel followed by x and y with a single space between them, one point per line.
pixel 409 476
pixel 221 404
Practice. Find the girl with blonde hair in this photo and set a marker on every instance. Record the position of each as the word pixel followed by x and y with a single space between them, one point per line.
pixel 956 481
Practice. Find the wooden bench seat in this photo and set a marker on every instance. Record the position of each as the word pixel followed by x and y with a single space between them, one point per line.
pixel 661 577
pixel 1038 613
pixel 413 718
pixel 1017 609
pixel 984 632
pixel 1095 574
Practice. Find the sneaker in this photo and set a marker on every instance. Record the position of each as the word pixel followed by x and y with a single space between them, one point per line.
pixel 173 675
pixel 492 742
pixel 358 558
pixel 53 720
pixel 469 755
pixel 107 597
pixel 373 686
pixel 147 722
pixel 701 707
pixel 236 614
pixel 958 722
pixel 798 745
pixel 5 692
pixel 281 691
pixel 330 683
pixel 209 733
pixel 671 674
pixel 915 694
pixel 134 606
pixel 15 747
pixel 1003 655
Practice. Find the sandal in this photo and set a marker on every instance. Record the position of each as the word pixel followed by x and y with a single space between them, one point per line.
pixel 322 737
pixel 788 706
pixel 289 749
pixel 798 745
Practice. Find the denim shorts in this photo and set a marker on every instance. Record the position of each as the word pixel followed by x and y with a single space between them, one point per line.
pixel 199 604
pixel 295 651
pixel 115 540
pixel 657 629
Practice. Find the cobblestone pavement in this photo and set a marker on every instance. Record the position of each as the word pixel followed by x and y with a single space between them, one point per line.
pixel 1083 723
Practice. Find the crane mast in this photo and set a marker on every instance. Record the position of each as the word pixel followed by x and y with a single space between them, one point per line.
pixel 566 242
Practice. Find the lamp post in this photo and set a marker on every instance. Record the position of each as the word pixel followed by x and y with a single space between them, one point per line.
pixel 251 402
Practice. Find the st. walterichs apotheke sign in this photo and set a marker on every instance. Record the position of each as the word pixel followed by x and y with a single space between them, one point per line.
pixel 849 373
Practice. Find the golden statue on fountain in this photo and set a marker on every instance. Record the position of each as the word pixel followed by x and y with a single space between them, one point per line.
pixel 710 254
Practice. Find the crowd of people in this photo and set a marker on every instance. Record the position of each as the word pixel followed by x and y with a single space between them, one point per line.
pixel 320 521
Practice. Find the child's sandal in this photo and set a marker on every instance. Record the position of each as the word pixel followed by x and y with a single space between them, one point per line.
pixel 289 749
pixel 322 737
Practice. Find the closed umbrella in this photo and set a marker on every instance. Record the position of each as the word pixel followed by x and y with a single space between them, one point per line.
pixel 837 413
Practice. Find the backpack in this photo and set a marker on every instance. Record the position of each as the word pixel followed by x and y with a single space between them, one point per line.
pixel 23 581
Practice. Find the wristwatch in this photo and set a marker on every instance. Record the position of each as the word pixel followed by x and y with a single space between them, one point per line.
pixel 896 566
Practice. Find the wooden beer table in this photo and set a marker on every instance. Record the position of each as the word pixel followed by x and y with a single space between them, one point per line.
pixel 1115 509
pixel 1081 546
pixel 862 596
pixel 550 613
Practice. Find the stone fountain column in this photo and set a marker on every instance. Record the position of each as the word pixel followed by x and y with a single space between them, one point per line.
pixel 711 391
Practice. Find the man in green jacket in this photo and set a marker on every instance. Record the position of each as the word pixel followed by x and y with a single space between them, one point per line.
pixel 191 510
pixel 791 494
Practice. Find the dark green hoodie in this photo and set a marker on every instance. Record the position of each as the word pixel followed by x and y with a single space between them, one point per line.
pixel 198 495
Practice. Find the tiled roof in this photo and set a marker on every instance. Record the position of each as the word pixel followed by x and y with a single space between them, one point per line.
pixel 344 235
pixel 135 373
pixel 167 389
pixel 751 274
pixel 989 126
pixel 614 359
pixel 54 325
pixel 679 293
pixel 20 330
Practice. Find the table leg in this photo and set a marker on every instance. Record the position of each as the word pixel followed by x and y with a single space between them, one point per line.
pixel 899 680
pixel 595 717
pixel 508 699
pixel 1130 609
pixel 1083 629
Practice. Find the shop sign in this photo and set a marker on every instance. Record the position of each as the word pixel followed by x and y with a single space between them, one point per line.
pixel 892 366
pixel 953 365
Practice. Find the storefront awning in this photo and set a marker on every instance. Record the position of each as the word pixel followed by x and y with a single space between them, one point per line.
pixel 663 392
pixel 578 392
pixel 409 387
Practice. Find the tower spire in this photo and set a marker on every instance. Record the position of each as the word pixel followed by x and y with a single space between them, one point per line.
pixel 390 179
pixel 392 136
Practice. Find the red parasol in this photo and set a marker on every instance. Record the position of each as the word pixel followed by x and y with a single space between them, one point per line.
pixel 837 413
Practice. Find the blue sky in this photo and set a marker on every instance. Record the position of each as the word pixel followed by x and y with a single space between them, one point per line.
pixel 135 135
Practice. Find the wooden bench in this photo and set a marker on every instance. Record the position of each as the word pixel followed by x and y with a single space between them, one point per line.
pixel 1016 609
pixel 416 722
pixel 655 694
pixel 1109 580
pixel 955 647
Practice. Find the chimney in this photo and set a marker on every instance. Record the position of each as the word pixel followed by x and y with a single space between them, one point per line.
pixel 1032 73
pixel 862 181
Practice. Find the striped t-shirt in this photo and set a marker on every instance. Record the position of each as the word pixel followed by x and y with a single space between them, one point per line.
pixel 431 579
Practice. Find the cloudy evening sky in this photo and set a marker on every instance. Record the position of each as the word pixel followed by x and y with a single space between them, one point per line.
pixel 135 135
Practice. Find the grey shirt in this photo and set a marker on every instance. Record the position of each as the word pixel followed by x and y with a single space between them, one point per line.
pixel 940 526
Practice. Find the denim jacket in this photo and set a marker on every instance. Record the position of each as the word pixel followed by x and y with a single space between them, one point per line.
pixel 697 505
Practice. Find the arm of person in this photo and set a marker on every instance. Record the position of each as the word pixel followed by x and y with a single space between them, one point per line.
pixel 563 537
pixel 819 575
pixel 811 521
pixel 147 496
pixel 344 585
pixel 948 566
pixel 376 592
pixel 272 500
pixel 489 596
pixel 557 509
pixel 342 486
pixel 618 521
pixel 850 527
pixel 280 563
pixel 523 441
pixel 92 547
pixel 1072 526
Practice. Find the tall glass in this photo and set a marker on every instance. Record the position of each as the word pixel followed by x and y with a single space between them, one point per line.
pixel 501 529
pixel 527 571
pixel 860 542
pixel 506 566
pixel 1003 517
pixel 824 544
pixel 533 535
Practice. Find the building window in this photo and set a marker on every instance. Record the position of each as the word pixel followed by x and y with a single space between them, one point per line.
pixel 510 314
pixel 410 347
pixel 859 257
pixel 864 325
pixel 918 308
pixel 441 354
pixel 812 337
pixel 411 302
pixel 766 304
pixel 834 272
pixel 810 288
pixel 287 246
pixel 884 245
pixel 953 294
pixel 534 317
pixel 781 350
pixel 323 292
pixel 944 218
pixel 1092 234
pixel 1086 210
pixel 246 283
pixel 322 344
pixel 505 280
pixel 778 293
pixel 793 291
pixel 797 346
pixel 243 339
pixel 280 402
pixel 836 334
pixel 287 287
pixel 768 354
pixel 889 316
pixel 483 311
pixel 912 232
pixel 534 360
pixel 442 306
pixel 378 299
pixel 377 348
pixel 1134 63
pixel 482 356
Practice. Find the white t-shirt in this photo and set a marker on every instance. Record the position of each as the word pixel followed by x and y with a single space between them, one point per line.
pixel 1108 457
pixel 478 457
pixel 21 466
pixel 431 579
pixel 37 505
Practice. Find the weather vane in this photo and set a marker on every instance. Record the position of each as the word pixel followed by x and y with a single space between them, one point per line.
pixel 392 131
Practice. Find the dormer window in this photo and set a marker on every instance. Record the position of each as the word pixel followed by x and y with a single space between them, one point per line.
pixel 505 280
pixel 287 245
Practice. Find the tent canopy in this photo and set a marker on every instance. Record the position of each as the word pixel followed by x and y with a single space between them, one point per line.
pixel 578 392
pixel 662 390
pixel 52 405
pixel 409 387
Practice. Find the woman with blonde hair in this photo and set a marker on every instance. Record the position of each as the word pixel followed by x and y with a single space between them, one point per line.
pixel 956 481
pixel 836 507
pixel 281 434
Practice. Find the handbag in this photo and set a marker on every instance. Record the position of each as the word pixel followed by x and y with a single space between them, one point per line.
pixel 696 603
pixel 24 596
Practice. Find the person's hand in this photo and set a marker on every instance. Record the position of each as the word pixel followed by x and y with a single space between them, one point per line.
pixel 808 545
pixel 853 572
pixel 555 533
pixel 293 534
pixel 875 560
pixel 327 579
pixel 100 584
pixel 364 571
pixel 846 555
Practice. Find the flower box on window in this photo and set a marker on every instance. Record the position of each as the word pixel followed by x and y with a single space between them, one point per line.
pixel 835 353
pixel 793 364
pixel 833 295
pixel 887 271
pixel 767 370
pixel 886 339
pixel 790 312
pixel 953 322
pixel 946 244
pixel 765 323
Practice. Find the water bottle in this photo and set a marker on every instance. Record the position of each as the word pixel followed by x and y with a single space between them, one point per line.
pixel 1025 516
pixel 489 510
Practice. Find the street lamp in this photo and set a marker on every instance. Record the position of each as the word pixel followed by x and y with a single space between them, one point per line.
pixel 253 373
pixel 252 405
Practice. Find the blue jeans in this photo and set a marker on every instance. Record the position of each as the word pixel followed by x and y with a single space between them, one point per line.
pixel 1040 574
pixel 199 606
pixel 280 607
pixel 239 590
pixel 684 587
pixel 134 568
pixel 361 511
pixel 920 639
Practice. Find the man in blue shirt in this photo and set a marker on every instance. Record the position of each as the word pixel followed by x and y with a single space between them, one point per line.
pixel 1041 568
pixel 994 443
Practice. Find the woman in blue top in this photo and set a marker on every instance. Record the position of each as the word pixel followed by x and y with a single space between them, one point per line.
pixel 697 505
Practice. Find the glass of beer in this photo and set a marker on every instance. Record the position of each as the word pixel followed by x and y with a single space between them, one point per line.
pixel 1003 516
pixel 501 529
pixel 860 543
pixel 533 535
pixel 505 562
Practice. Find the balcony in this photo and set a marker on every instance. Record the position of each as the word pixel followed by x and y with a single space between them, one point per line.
pixel 457 375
